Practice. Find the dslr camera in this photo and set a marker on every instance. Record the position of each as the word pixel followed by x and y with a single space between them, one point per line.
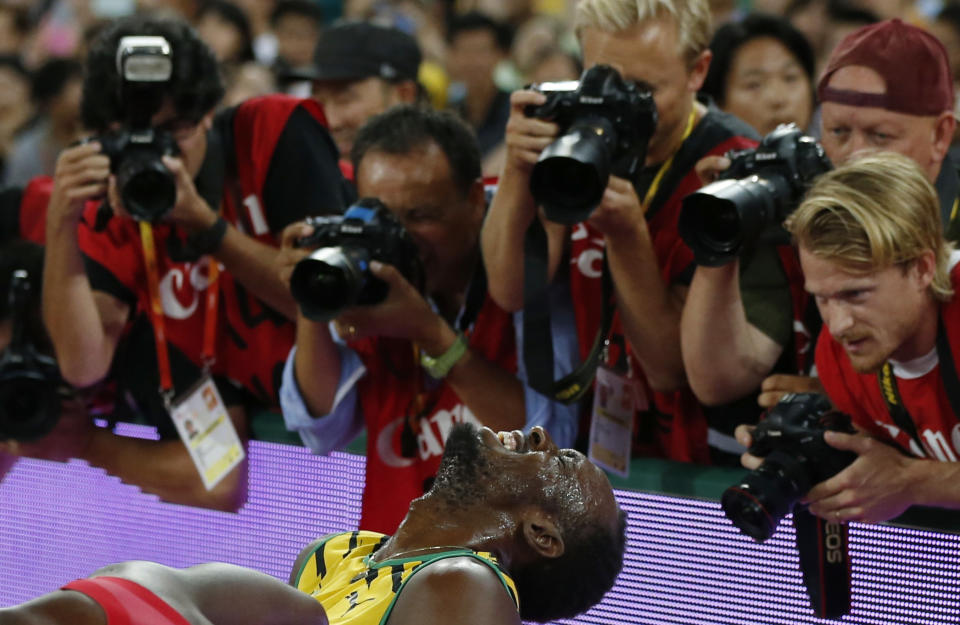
pixel 147 187
pixel 762 186
pixel 790 440
pixel 605 125
pixel 795 458
pixel 336 275
pixel 31 388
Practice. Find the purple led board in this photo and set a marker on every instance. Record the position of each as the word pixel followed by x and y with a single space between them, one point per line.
pixel 686 564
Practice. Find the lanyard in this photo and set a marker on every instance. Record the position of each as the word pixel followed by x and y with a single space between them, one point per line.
pixel 948 373
pixel 208 355
pixel 655 185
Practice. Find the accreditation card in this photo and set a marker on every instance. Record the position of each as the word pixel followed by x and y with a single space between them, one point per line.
pixel 205 427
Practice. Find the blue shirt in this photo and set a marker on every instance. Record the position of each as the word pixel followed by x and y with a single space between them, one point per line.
pixel 325 433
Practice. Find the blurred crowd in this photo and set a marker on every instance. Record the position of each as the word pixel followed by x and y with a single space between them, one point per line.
pixel 285 111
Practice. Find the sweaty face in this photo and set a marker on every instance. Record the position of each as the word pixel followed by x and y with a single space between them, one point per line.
pixel 348 104
pixel 848 131
pixel 767 86
pixel 511 469
pixel 874 316
pixel 649 53
pixel 419 190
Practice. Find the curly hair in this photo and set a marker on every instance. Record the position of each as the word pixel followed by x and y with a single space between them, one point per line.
pixel 195 87
pixel 556 588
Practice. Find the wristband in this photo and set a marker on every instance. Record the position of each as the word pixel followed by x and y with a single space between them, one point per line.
pixel 440 366
pixel 208 241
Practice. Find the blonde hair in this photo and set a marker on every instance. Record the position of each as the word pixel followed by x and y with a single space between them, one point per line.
pixel 691 16
pixel 876 212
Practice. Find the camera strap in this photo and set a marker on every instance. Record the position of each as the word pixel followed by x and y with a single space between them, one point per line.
pixel 824 562
pixel 948 373
pixel 155 310
pixel 537 339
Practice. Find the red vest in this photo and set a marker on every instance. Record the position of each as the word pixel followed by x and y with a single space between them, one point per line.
pixel 924 398
pixel 682 431
pixel 388 394
pixel 252 341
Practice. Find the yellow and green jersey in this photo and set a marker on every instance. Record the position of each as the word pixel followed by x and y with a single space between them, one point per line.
pixel 352 589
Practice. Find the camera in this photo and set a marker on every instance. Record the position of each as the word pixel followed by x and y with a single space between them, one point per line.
pixel 30 381
pixel 147 187
pixel 336 275
pixel 605 125
pixel 762 186
pixel 796 458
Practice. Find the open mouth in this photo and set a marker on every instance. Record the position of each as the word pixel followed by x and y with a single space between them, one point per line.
pixel 509 441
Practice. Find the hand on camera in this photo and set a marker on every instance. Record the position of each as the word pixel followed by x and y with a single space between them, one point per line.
pixel 774 387
pixel 710 168
pixel 744 436
pixel 290 254
pixel 81 175
pixel 619 213
pixel 190 211
pixel 878 486
pixel 526 137
pixel 404 314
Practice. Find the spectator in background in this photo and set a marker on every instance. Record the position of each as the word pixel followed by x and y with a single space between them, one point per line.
pixel 946 28
pixel 264 40
pixel 425 167
pixel 297 25
pixel 14 29
pixel 825 23
pixel 224 27
pixel 553 64
pixel 476 45
pixel 16 109
pixel 762 72
pixel 360 70
pixel 56 90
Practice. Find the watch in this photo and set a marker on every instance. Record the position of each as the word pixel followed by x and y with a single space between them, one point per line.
pixel 208 241
pixel 440 366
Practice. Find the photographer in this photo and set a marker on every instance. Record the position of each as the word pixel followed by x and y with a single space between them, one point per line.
pixel 411 366
pixel 887 86
pixel 871 246
pixel 660 46
pixel 133 296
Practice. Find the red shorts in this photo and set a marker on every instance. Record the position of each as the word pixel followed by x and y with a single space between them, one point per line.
pixel 126 602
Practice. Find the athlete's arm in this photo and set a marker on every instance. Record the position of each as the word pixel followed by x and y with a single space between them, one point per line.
pixel 224 594
pixel 84 325
pixel 454 590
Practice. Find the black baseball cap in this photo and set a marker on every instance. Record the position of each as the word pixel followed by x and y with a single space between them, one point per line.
pixel 355 50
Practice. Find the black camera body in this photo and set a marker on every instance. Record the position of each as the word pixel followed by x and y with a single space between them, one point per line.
pixel 336 275
pixel 790 439
pixel 30 381
pixel 759 190
pixel 605 125
pixel 147 188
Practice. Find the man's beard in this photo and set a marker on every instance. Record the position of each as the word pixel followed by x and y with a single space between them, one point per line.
pixel 463 468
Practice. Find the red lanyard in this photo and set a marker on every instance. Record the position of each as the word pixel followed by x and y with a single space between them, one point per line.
pixel 208 355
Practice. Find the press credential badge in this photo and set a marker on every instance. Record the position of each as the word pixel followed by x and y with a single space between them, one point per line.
pixel 206 429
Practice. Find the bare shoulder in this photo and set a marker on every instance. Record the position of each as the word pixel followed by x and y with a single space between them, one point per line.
pixel 455 590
